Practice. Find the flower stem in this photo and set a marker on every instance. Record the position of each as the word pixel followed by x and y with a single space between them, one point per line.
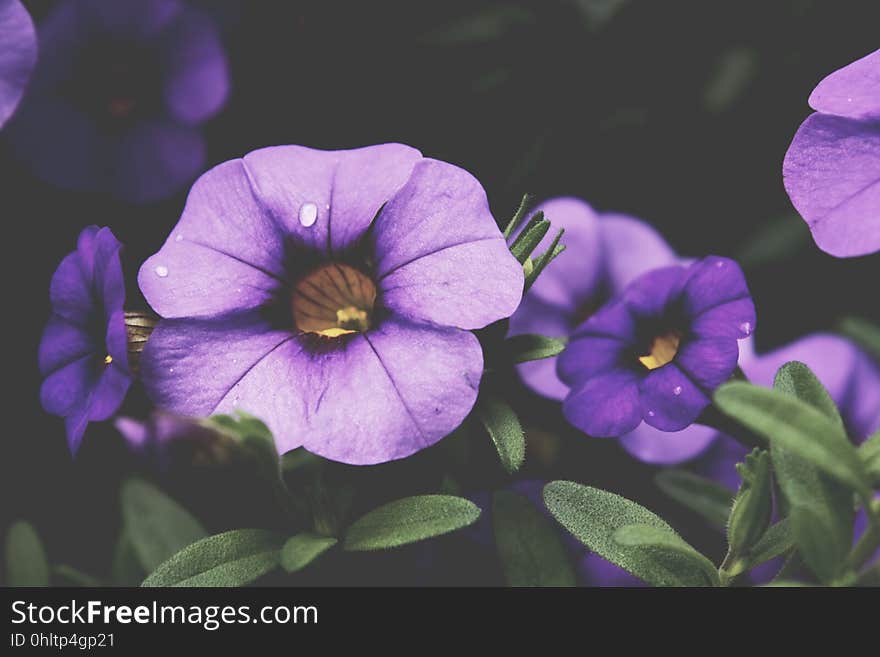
pixel 714 418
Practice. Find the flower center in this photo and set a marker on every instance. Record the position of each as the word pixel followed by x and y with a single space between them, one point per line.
pixel 663 350
pixel 108 359
pixel 333 300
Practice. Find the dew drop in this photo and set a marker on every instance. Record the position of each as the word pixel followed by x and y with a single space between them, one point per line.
pixel 719 264
pixel 676 391
pixel 308 214
pixel 161 271
pixel 746 327
pixel 171 370
pixel 650 413
pixel 178 237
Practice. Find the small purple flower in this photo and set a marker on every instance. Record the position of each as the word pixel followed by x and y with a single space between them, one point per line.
pixel 332 295
pixel 166 439
pixel 658 351
pixel 603 254
pixel 832 168
pixel 118 95
pixel 18 53
pixel 84 353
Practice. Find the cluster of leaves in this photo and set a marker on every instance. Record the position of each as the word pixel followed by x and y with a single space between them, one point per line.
pixel 810 476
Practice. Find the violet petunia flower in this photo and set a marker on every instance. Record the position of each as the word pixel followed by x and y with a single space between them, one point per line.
pixel 832 168
pixel 118 95
pixel 658 351
pixel 332 294
pixel 603 254
pixel 18 54
pixel 83 354
pixel 166 439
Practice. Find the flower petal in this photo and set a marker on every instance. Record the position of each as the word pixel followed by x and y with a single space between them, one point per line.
pixel 613 320
pixel 225 254
pixel 651 445
pixel 708 362
pixel 712 282
pixel 116 339
pixel 606 405
pixel 18 53
pixel 575 275
pixel 852 91
pixel 832 175
pixel 734 319
pixel 154 159
pixel 650 294
pixel 440 255
pixel 108 392
pixel 70 291
pixel 62 343
pixel 344 189
pixel 631 247
pixel 670 401
pixel 589 356
pixel 197 81
pixel 65 391
pixel 536 316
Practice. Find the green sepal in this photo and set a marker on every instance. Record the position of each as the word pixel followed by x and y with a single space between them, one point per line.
pixel 503 426
pixel 753 504
pixel 26 562
pixel 527 347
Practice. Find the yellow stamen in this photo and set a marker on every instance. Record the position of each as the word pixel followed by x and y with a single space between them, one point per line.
pixel 663 350
pixel 108 359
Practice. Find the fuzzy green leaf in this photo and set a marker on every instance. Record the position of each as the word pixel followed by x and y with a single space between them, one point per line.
pixel 593 515
pixel 796 379
pixel 668 551
pixel 869 452
pixel 530 346
pixel 775 542
pixel 530 237
pixel 528 544
pixel 410 520
pixel 866 334
pixel 26 563
pixel 518 216
pixel 126 569
pixel 703 496
pixel 233 558
pixel 156 525
pixel 75 577
pixel 795 426
pixel 753 505
pixel 543 260
pixel 301 550
pixel 503 427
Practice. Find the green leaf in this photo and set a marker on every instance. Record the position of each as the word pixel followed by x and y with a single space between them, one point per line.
pixel 866 334
pixel 778 239
pixel 76 577
pixel 156 525
pixel 254 437
pixel 529 346
pixel 298 458
pixel 869 452
pixel 820 508
pixel 26 562
pixel 126 569
pixel 775 542
pixel 518 216
pixel 543 260
pixel 301 550
pixel 233 558
pixel 530 237
pixel 796 426
pixel 593 516
pixel 668 550
pixel 753 505
pixel 703 496
pixel 528 545
pixel 504 428
pixel 410 520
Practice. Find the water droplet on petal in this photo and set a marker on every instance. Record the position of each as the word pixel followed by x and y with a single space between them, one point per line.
pixel 171 370
pixel 719 264
pixel 746 327
pixel 308 214
pixel 676 391
pixel 161 271
pixel 178 237
pixel 650 413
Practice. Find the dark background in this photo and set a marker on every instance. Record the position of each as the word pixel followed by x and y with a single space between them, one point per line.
pixel 678 112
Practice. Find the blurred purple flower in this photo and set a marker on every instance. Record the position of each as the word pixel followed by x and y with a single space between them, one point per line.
pixel 118 95
pixel 658 351
pixel 832 168
pixel 83 354
pixel 603 254
pixel 18 53
pixel 331 294
pixel 166 439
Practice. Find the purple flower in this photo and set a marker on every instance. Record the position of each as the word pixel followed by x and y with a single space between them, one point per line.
pixel 166 439
pixel 83 353
pixel 832 168
pixel 603 254
pixel 658 350
pixel 18 53
pixel 331 294
pixel 118 94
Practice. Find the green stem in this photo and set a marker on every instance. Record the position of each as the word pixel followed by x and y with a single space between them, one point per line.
pixel 714 418
pixel 870 540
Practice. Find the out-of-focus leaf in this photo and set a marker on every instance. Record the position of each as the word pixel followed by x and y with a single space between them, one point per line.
pixel 126 569
pixel 528 544
pixel 730 77
pixel 481 27
pixel 75 577
pixel 410 520
pixel 753 505
pixel 863 332
pixel 529 346
pixel 233 558
pixel 777 240
pixel 775 542
pixel 869 452
pixel 26 563
pixel 703 496
pixel 156 525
